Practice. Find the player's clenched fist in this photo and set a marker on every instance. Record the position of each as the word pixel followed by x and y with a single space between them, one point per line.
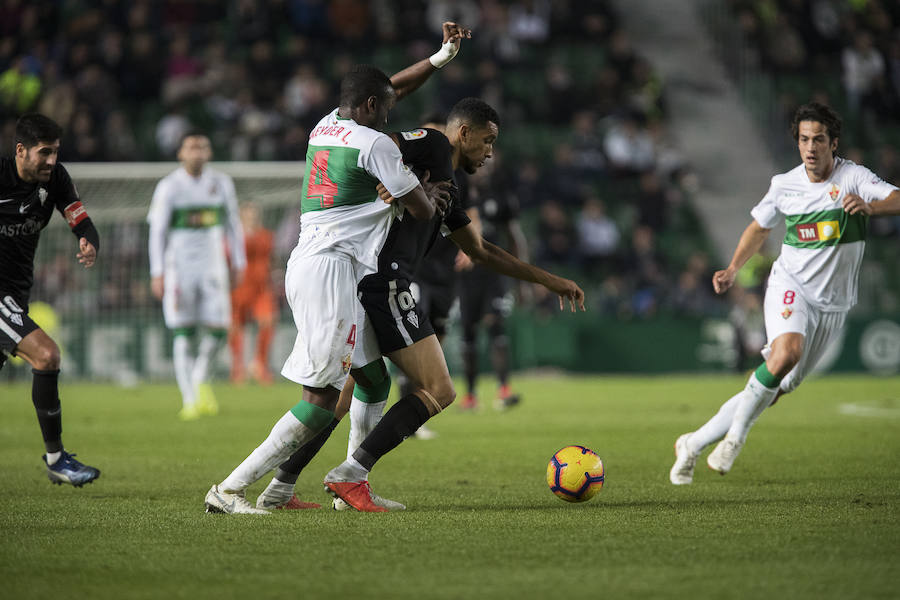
pixel 722 280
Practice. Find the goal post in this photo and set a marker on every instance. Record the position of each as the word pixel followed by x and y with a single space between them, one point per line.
pixel 105 319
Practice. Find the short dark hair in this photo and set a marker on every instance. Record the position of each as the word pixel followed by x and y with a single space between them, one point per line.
pixel 189 134
pixel 815 111
pixel 474 111
pixel 361 83
pixel 34 128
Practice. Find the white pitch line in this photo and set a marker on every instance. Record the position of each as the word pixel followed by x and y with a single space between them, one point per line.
pixel 859 410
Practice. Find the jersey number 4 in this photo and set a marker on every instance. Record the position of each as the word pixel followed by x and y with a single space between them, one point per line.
pixel 320 186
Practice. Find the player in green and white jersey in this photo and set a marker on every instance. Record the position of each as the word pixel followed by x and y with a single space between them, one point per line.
pixel 344 224
pixel 825 203
pixel 193 215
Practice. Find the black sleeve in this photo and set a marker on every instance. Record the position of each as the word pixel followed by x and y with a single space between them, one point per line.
pixel 427 150
pixel 65 198
pixel 86 230
pixel 62 189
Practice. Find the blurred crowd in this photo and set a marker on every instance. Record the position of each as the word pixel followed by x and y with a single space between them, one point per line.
pixel 584 149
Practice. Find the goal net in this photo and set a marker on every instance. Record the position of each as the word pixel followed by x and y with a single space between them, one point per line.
pixel 105 319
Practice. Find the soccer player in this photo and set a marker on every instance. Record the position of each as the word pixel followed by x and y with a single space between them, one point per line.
pixel 32 185
pixel 343 226
pixel 825 203
pixel 193 213
pixel 253 298
pixel 395 326
pixel 485 298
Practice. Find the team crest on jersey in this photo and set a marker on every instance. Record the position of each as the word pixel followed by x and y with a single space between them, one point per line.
pixel 16 318
pixel 834 192
pixel 415 134
pixel 787 312
pixel 346 363
pixel 42 194
pixel 413 319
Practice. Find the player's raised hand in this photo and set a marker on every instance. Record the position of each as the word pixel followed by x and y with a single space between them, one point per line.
pixel 722 280
pixel 87 254
pixel 854 204
pixel 462 262
pixel 453 32
pixel 437 191
pixel 384 194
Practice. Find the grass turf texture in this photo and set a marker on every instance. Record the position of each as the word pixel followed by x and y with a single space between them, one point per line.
pixel 809 511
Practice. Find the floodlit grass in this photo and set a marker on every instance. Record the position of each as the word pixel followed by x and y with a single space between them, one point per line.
pixel 810 510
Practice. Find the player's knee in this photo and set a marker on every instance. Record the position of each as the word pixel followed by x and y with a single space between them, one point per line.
pixel 781 362
pixel 443 392
pixel 47 357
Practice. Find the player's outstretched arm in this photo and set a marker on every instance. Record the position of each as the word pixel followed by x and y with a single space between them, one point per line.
pixel 437 198
pixel 488 255
pixel 412 77
pixel 753 238
pixel 854 204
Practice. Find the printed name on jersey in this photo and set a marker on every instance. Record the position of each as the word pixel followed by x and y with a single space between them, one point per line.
pixel 29 227
pixel 818 232
pixel 415 134
pixel 75 214
pixel 834 192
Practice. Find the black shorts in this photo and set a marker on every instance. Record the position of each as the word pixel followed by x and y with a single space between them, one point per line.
pixel 483 292
pixel 395 315
pixel 435 301
pixel 15 324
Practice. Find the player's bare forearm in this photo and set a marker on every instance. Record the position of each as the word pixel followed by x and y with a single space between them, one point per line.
pixel 412 77
pixel 499 260
pixel 751 242
pixel 877 208
pixel 518 247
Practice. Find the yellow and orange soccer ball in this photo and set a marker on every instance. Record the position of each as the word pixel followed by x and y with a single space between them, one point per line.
pixel 575 474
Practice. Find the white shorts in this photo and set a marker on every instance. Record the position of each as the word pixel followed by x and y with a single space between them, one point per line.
pixel 321 292
pixel 195 297
pixel 367 349
pixel 786 311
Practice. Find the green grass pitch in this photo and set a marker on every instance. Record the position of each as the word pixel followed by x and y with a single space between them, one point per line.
pixel 809 511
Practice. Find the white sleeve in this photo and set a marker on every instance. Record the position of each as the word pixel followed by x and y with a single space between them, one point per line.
pixel 870 186
pixel 233 229
pixel 385 163
pixel 159 217
pixel 766 212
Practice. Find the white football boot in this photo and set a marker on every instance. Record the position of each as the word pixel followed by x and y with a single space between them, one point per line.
pixel 722 458
pixel 230 503
pixel 276 494
pixel 682 472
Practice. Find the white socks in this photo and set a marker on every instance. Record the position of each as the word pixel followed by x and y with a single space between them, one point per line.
pixel 286 437
pixel 184 365
pixel 715 429
pixel 363 419
pixel 756 399
pixel 206 352
pixel 52 457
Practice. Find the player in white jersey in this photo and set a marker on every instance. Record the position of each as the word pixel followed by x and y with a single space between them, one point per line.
pixel 825 203
pixel 343 225
pixel 194 222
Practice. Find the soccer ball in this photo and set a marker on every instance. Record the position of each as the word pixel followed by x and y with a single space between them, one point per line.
pixel 575 474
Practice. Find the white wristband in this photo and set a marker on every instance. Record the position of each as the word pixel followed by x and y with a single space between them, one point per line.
pixel 444 55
